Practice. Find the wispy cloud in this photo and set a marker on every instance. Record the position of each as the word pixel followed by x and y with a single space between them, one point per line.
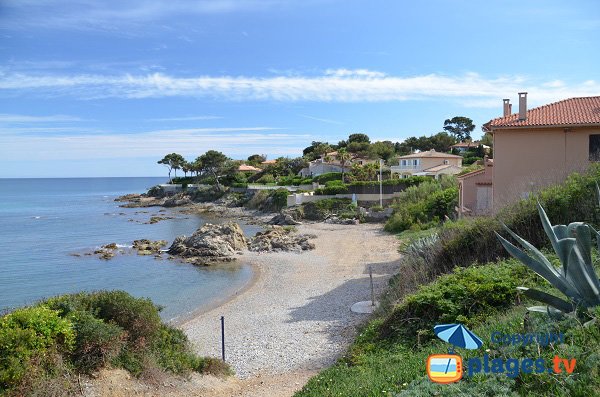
pixel 332 86
pixel 328 121
pixel 114 15
pixel 189 142
pixel 187 118
pixel 21 118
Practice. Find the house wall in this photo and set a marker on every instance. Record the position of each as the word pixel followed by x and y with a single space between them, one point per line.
pixel 468 187
pixel 526 160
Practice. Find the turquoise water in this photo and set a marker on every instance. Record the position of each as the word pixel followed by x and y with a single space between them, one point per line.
pixel 44 221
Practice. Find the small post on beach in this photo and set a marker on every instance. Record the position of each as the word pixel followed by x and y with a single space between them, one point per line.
pixel 223 337
pixel 372 289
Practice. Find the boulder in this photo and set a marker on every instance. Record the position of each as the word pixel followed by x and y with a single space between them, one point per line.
pixel 283 220
pixel 210 243
pixel 148 247
pixel 339 221
pixel 279 239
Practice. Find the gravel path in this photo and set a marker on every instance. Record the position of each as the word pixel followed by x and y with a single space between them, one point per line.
pixel 296 315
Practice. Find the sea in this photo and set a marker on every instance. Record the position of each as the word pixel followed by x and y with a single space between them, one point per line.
pixel 47 226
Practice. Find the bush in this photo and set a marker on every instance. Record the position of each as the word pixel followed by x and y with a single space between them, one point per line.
pixel 30 334
pixel 266 178
pixel 328 176
pixel 279 198
pixel 96 343
pixel 319 210
pixel 424 205
pixel 467 295
pixel 331 190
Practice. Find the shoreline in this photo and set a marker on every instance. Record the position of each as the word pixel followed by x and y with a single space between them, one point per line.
pixel 294 317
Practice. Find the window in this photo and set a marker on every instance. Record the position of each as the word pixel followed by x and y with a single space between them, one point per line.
pixel 416 162
pixel 446 162
pixel 595 147
pixel 404 162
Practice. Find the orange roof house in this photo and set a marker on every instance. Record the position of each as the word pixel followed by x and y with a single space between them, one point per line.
pixel 537 147
pixel 248 168
pixel 429 163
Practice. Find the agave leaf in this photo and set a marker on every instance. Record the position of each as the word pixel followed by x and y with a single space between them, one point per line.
pixel 591 322
pixel 598 193
pixel 541 268
pixel 578 276
pixel 548 228
pixel 561 231
pixel 546 310
pixel 597 237
pixel 584 242
pixel 532 250
pixel 548 299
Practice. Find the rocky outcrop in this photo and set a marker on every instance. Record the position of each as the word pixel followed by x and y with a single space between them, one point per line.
pixel 283 220
pixel 149 247
pixel 177 200
pixel 107 251
pixel 339 221
pixel 280 239
pixel 211 243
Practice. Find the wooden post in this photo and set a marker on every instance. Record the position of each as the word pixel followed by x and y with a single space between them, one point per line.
pixel 223 338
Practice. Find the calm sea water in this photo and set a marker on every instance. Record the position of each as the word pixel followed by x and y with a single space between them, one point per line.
pixel 44 221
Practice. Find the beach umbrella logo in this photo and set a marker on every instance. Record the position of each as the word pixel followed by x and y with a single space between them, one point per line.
pixel 448 368
pixel 458 335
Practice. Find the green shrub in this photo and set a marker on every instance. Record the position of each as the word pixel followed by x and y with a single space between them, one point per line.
pixel 266 178
pixel 332 189
pixel 319 210
pixel 467 295
pixel 30 334
pixel 328 176
pixel 279 198
pixel 96 342
pixel 240 184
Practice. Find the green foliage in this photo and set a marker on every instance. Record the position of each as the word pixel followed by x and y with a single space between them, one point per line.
pixel 411 181
pixel 467 295
pixel 279 198
pixel 96 343
pixel 266 178
pixel 30 334
pixel 172 161
pixel 293 181
pixel 332 187
pixel 575 278
pixel 321 209
pixel 460 127
pixel 440 142
pixel 424 205
pixel 328 176
pixel 491 386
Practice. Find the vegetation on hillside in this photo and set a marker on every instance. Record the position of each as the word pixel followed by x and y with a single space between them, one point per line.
pixel 44 347
pixel 452 274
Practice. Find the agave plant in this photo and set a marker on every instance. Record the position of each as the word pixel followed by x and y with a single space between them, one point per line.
pixel 575 278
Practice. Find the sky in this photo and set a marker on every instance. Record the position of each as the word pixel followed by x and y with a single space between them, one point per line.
pixel 107 88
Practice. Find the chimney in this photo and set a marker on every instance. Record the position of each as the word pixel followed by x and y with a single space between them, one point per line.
pixel 522 106
pixel 507 107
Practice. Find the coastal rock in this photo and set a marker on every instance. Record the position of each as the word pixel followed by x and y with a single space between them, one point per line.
pixel 156 219
pixel 283 220
pixel 338 221
pixel 210 243
pixel 177 200
pixel 280 239
pixel 148 247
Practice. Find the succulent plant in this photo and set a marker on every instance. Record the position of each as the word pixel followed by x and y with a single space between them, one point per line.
pixel 575 278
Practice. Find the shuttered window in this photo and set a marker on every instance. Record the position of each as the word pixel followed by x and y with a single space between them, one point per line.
pixel 595 147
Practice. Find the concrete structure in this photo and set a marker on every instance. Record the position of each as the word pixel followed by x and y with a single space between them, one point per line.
pixel 430 163
pixel 541 146
pixel 320 166
pixel 475 190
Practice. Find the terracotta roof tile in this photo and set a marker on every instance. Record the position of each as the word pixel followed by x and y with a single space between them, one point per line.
pixel 573 111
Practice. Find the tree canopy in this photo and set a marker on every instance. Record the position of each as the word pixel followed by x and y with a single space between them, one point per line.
pixel 172 161
pixel 460 127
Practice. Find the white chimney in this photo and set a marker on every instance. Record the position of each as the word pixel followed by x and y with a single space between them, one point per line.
pixel 507 107
pixel 522 106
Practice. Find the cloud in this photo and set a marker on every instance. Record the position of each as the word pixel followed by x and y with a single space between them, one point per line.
pixel 328 121
pixel 113 16
pixel 335 85
pixel 189 142
pixel 190 118
pixel 20 118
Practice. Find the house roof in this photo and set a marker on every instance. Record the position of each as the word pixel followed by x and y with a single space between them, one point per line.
pixel 430 154
pixel 438 168
pixel 269 162
pixel 568 112
pixel 466 144
pixel 245 167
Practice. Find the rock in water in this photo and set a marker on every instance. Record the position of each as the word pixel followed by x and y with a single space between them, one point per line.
pixel 210 243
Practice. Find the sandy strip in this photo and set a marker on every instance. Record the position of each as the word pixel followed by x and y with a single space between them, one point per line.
pixel 295 317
